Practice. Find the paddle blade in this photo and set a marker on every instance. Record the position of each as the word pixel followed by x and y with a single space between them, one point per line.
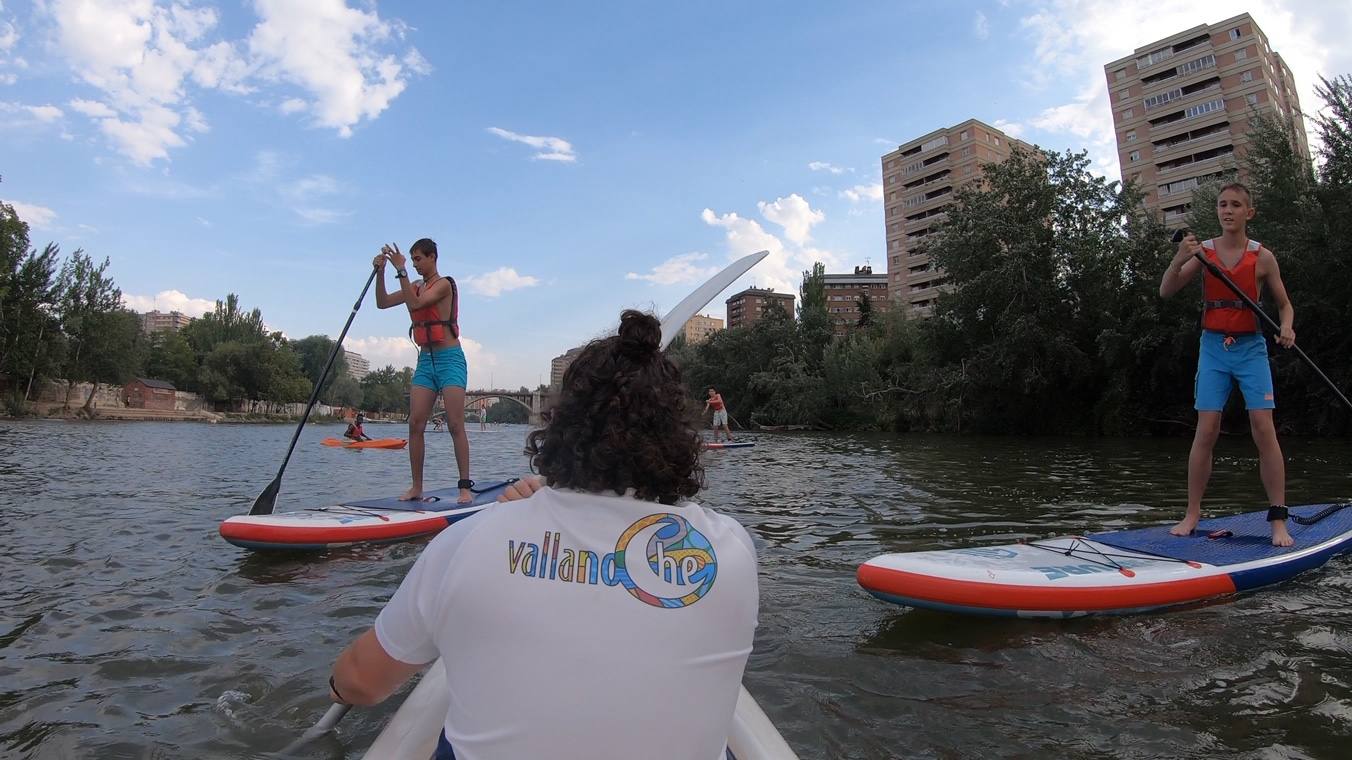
pixel 267 501
pixel 675 319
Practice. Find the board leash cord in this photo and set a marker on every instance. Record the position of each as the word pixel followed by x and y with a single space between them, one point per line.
pixel 1081 549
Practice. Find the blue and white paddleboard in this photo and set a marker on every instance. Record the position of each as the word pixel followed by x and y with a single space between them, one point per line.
pixel 1119 572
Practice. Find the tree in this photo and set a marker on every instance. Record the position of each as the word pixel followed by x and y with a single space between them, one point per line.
pixel 101 334
pixel 170 358
pixel 226 323
pixel 31 345
pixel 865 310
pixel 509 412
pixel 386 390
pixel 313 352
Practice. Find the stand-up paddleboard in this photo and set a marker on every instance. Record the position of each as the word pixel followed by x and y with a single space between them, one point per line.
pixel 739 445
pixel 355 522
pixel 412 732
pixel 1120 572
pixel 374 443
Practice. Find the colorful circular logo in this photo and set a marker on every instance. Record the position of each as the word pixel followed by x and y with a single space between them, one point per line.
pixel 680 565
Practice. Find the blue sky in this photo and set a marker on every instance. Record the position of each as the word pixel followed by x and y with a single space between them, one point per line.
pixel 569 159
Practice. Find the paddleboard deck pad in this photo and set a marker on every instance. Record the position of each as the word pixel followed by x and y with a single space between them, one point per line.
pixel 1119 572
pixel 728 445
pixel 355 522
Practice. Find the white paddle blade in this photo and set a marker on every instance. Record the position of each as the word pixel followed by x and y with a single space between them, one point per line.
pixel 675 319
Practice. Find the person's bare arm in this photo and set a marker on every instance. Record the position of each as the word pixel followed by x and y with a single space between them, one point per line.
pixel 365 675
pixel 1183 268
pixel 1270 275
pixel 384 299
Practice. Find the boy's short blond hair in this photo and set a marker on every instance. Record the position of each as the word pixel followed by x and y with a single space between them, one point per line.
pixel 1238 186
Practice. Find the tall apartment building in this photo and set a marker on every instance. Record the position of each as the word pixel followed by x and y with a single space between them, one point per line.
pixel 559 365
pixel 845 291
pixel 1182 106
pixel 358 366
pixel 919 180
pixel 158 321
pixel 747 307
pixel 700 327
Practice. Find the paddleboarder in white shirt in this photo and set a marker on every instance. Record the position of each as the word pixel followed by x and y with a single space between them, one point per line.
pixel 601 616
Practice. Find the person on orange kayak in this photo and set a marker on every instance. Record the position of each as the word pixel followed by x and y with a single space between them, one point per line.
pixel 720 410
pixel 433 304
pixel 354 429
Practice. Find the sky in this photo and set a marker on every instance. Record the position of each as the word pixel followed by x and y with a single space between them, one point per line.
pixel 570 159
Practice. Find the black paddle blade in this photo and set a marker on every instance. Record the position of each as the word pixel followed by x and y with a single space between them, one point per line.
pixel 267 500
pixel 1181 233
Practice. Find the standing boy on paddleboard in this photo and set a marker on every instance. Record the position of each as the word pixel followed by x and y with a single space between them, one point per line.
pixel 1233 349
pixel 433 305
pixel 720 409
pixel 620 623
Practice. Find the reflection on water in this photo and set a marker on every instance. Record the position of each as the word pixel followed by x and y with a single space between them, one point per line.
pixel 128 628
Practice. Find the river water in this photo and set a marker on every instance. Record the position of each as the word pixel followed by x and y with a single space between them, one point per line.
pixel 129 629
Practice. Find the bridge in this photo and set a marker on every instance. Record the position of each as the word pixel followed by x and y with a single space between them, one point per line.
pixel 534 402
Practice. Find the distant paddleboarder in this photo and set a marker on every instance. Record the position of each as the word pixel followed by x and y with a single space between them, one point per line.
pixel 715 403
pixel 1233 349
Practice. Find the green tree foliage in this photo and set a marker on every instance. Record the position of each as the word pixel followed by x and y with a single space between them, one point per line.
pixel 104 338
pixel 313 352
pixel 386 390
pixel 170 358
pixel 31 344
pixel 509 412
pixel 865 310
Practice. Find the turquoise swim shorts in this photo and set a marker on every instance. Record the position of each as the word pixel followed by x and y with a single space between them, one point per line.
pixel 1225 359
pixel 441 368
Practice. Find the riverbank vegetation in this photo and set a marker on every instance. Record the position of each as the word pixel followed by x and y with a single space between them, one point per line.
pixel 1053 321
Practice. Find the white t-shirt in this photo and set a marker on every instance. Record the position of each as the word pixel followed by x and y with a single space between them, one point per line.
pixel 582 625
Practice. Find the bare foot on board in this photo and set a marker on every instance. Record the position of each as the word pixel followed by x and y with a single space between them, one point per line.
pixel 1280 536
pixel 466 496
pixel 412 494
pixel 1186 526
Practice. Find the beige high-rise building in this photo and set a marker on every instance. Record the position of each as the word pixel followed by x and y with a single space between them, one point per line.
pixel 559 365
pixel 844 292
pixel 919 180
pixel 699 327
pixel 358 366
pixel 747 307
pixel 158 321
pixel 1182 105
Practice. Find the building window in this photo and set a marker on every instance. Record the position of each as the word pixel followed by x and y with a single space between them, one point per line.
pixel 1251 99
pixel 1246 76
pixel 1131 135
pixel 1241 54
pixel 962 135
pixel 1120 74
pixel 994 140
pixel 1123 94
pixel 1234 33
pixel 1127 114
pixel 1135 156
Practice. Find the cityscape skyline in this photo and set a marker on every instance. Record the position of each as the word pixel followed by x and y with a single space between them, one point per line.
pixel 232 166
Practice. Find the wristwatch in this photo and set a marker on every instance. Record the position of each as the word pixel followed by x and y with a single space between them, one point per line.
pixel 401 274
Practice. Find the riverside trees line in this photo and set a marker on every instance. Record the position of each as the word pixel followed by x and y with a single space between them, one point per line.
pixel 64 319
pixel 1054 323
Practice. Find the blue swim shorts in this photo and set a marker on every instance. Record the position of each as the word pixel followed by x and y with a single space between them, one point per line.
pixel 1224 359
pixel 442 368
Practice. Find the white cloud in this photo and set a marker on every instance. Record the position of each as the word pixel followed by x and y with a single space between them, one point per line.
pixel 981 26
pixel 381 351
pixel 92 108
pixel 678 269
pixel 783 268
pixel 169 300
pixel 293 105
pixel 321 215
pixel 334 53
pixel 1083 35
pixel 862 193
pixel 38 217
pixel 550 148
pixel 1011 128
pixel 499 281
pixel 794 214
pixel 826 166
pixel 9 35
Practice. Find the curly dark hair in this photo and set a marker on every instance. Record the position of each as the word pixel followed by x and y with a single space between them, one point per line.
pixel 622 420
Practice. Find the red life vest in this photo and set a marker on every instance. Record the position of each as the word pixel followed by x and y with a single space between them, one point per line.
pixel 1222 310
pixel 428 326
pixel 716 403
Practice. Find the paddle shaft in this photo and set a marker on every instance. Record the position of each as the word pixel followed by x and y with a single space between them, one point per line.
pixel 1220 274
pixel 267 500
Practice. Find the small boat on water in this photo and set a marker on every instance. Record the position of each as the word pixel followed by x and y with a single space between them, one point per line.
pixel 374 443
pixel 413 731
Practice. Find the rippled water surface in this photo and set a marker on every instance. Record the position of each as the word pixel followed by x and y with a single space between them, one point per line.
pixel 129 629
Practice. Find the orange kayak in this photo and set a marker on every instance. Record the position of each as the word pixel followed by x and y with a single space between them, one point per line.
pixel 374 443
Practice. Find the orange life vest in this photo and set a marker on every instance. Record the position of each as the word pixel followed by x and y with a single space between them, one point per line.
pixel 1222 310
pixel 716 403
pixel 428 326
